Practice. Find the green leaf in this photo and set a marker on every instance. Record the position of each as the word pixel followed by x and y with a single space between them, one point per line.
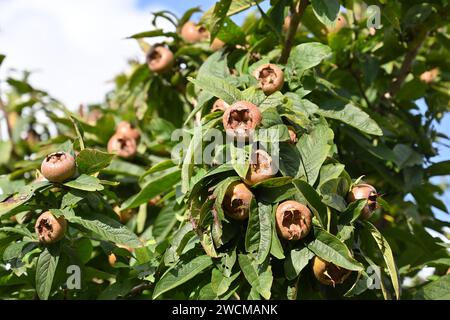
pixel 439 169
pixel 435 290
pixel 259 276
pixel 240 160
pixel 181 273
pixel 296 261
pixel 259 231
pixel 326 11
pixel 314 201
pixel 385 249
pixel 153 188
pixel 45 272
pixel 160 166
pixel 405 156
pixel 91 160
pixel 218 17
pixel 329 172
pixel 235 7
pixel 86 183
pixel 314 149
pixel 219 88
pixel 2 58
pixel 304 57
pixel 124 168
pixel 331 249
pixel 5 151
pixel 351 115
pixel 153 33
pixel 221 283
pixel 107 229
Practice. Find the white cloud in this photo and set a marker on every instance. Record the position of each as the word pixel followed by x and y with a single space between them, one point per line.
pixel 74 46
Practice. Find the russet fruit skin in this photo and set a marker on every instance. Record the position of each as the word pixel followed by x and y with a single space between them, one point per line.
pixel 236 202
pixel 341 22
pixel 126 129
pixel 328 273
pixel 261 168
pixel 219 104
pixel 58 167
pixel 50 229
pixel 293 219
pixel 241 118
pixel 270 77
pixel 364 191
pixel 193 33
pixel 160 59
pixel 123 146
pixel 292 136
pixel 217 44
pixel 429 76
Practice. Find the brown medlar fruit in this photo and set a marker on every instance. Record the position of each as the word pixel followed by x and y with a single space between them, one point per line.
pixel 270 77
pixel 219 104
pixel 293 219
pixel 364 191
pixel 236 202
pixel 241 118
pixel 193 33
pixel 429 76
pixel 50 229
pixel 328 273
pixel 292 136
pixel 123 146
pixel 217 44
pixel 58 167
pixel 159 59
pixel 126 129
pixel 112 258
pixel 341 22
pixel 261 168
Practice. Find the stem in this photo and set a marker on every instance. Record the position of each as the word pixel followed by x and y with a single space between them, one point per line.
pixel 297 11
pixel 410 56
pixel 8 124
pixel 360 87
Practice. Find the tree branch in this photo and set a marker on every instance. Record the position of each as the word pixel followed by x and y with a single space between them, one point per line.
pixel 410 56
pixel 297 11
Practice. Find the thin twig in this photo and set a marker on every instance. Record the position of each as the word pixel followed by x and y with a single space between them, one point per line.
pixel 297 11
pixel 410 56
pixel 360 87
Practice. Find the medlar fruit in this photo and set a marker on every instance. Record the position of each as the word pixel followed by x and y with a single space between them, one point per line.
pixel 328 273
pixel 341 22
pixel 292 136
pixel 58 167
pixel 236 202
pixel 429 76
pixel 270 77
pixel 112 258
pixel 217 44
pixel 293 219
pixel 193 33
pixel 261 168
pixel 364 191
pixel 241 118
pixel 159 59
pixel 126 129
pixel 50 229
pixel 123 146
pixel 219 104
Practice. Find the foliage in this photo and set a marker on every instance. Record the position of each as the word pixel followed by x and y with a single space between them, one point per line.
pixel 149 227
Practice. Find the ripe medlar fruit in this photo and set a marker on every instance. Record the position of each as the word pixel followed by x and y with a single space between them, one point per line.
pixel 270 77
pixel 241 118
pixel 341 22
pixel 294 220
pixel 292 136
pixel 217 44
pixel 126 129
pixel 219 104
pixel 58 167
pixel 429 76
pixel 50 229
pixel 236 202
pixel 112 258
pixel 123 146
pixel 328 273
pixel 193 33
pixel 159 59
pixel 364 191
pixel 261 168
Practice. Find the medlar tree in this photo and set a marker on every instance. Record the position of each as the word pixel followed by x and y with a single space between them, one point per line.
pixel 303 195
